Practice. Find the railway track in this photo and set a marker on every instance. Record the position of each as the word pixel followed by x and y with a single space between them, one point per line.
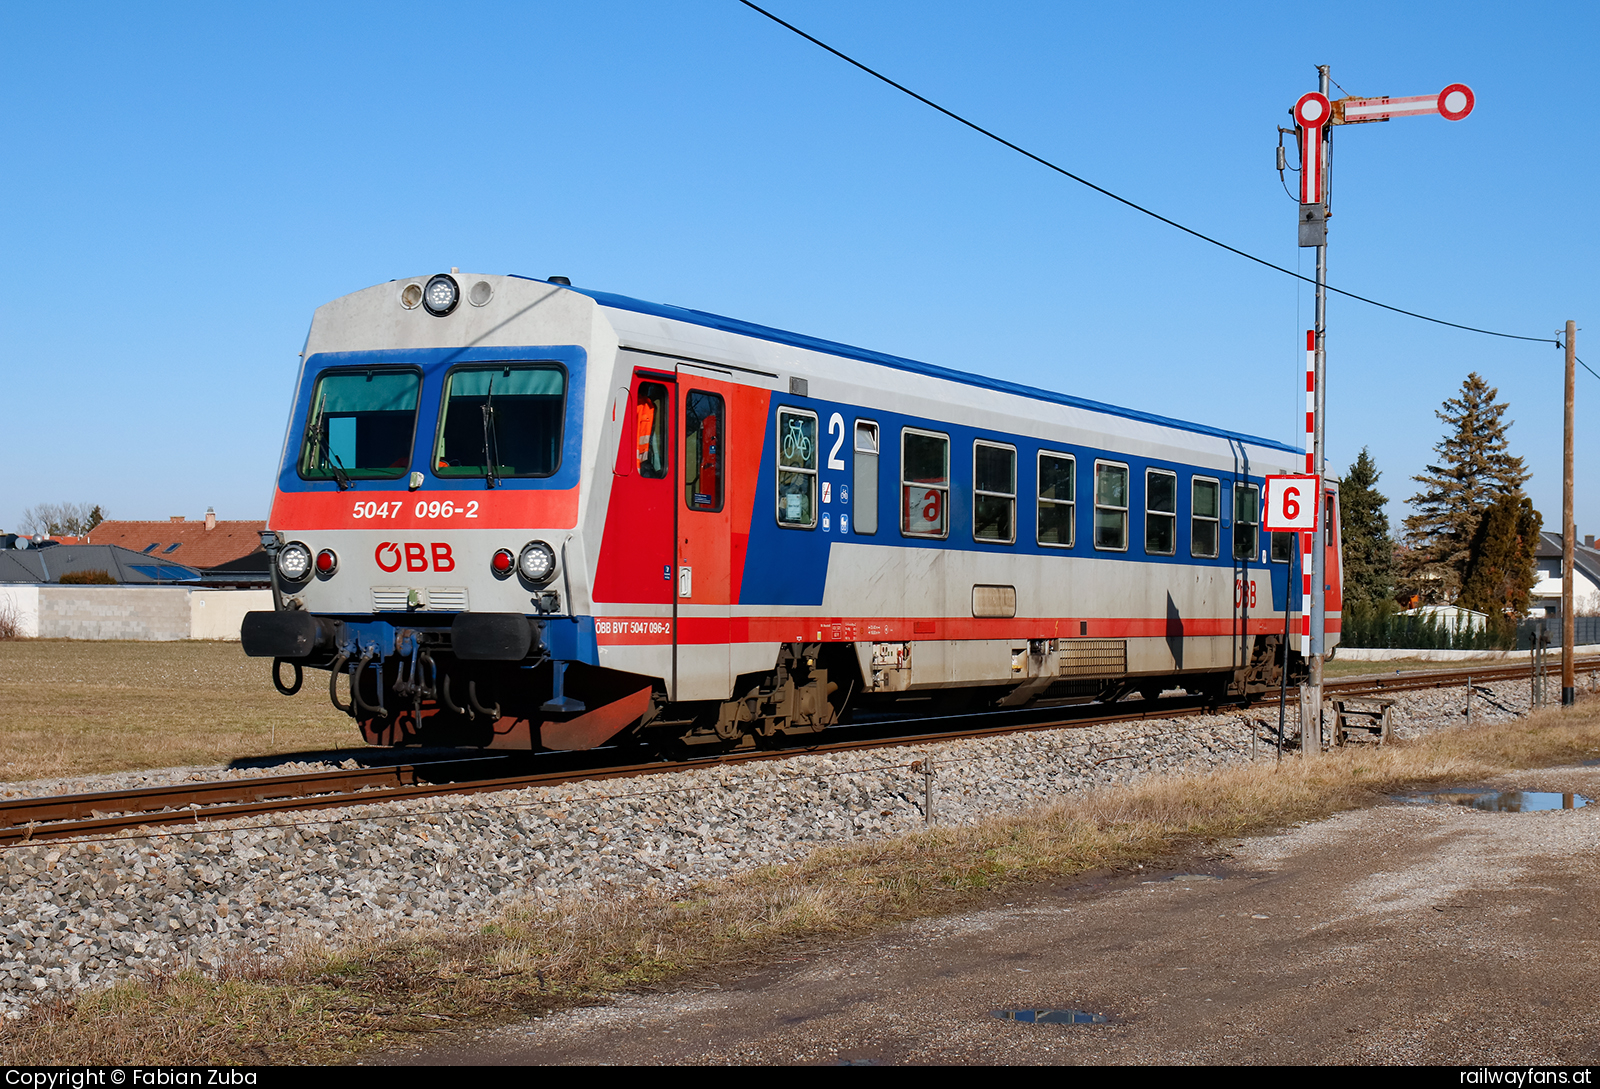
pixel 169 807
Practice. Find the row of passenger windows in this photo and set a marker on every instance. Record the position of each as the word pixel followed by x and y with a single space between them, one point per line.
pixel 924 500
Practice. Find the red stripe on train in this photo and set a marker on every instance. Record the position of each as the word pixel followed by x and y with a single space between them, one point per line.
pixel 705 631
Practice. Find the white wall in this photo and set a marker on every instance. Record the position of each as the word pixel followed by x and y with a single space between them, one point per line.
pixel 130 612
pixel 217 614
pixel 21 602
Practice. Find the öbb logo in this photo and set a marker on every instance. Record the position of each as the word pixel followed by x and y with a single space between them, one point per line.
pixel 391 554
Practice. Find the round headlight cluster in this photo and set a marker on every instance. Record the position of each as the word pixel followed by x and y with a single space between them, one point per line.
pixel 294 561
pixel 442 295
pixel 537 562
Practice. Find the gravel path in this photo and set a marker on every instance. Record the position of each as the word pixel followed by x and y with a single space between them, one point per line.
pixel 74 916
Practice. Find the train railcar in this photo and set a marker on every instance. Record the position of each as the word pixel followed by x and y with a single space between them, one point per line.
pixel 514 513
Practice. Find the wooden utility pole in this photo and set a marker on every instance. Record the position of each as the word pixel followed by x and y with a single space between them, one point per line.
pixel 1569 530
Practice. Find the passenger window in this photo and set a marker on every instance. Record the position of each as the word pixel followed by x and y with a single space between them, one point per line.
pixel 797 468
pixel 865 514
pixel 1246 517
pixel 1110 506
pixel 702 451
pixel 361 425
pixel 924 483
pixel 1057 494
pixel 1160 512
pixel 1205 518
pixel 1282 547
pixel 650 436
pixel 994 493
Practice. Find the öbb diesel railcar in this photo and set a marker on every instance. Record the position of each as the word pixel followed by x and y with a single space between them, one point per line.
pixel 518 514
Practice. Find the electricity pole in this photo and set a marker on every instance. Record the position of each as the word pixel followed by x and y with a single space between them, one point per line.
pixel 1569 530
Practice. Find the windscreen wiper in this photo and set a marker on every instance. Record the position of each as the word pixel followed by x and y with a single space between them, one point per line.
pixel 491 448
pixel 330 459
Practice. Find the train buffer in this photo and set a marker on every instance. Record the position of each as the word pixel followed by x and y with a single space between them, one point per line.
pixel 1370 716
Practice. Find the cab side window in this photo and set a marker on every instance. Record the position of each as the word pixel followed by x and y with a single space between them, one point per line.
pixel 650 432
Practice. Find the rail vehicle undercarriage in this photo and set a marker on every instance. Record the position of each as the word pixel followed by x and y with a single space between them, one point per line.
pixel 488 680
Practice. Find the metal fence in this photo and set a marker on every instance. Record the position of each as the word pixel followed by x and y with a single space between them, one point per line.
pixel 1585 631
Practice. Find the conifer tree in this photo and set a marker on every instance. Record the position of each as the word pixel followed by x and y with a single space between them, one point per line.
pixel 1368 548
pixel 1475 469
pixel 1501 571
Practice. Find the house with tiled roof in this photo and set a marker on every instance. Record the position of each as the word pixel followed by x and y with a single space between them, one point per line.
pixel 205 543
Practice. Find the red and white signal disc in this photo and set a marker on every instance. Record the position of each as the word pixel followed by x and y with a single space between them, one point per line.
pixel 1456 101
pixel 1312 111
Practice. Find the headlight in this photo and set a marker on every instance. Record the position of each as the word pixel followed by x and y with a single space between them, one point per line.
pixel 537 562
pixel 294 561
pixel 441 295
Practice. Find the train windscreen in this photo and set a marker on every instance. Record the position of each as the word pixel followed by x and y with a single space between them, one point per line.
pixel 506 416
pixel 361 425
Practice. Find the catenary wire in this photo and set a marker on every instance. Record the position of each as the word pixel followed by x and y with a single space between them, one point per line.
pixel 1124 200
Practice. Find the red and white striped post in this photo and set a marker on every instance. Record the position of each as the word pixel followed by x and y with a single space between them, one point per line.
pixel 1306 539
pixel 1315 116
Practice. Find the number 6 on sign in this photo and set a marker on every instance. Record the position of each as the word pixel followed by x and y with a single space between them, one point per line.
pixel 1292 505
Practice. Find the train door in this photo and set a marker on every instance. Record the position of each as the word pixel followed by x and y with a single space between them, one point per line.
pixel 644 516
pixel 704 540
pixel 1332 561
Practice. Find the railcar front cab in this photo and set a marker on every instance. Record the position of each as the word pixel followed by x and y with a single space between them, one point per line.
pixel 404 562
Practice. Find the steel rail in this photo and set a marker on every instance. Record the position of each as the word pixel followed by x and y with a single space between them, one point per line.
pixel 25 820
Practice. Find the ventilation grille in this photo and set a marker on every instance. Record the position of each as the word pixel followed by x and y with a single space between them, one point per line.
pixel 448 599
pixel 1093 657
pixel 389 599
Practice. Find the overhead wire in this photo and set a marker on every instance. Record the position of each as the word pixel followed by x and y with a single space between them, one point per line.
pixel 1124 200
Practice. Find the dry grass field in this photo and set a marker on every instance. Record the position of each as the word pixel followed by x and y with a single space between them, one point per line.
pixel 71 707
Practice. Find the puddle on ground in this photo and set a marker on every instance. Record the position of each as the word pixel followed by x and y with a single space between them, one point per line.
pixel 1050 1017
pixel 1503 801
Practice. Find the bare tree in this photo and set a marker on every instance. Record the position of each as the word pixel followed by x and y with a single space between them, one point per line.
pixel 61 519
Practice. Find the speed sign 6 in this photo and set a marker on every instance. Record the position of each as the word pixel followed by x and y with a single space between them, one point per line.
pixel 1292 505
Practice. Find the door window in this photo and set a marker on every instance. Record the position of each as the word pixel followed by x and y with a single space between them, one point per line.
pixel 703 457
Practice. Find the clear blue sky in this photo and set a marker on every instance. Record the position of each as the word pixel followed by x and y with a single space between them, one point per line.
pixel 184 184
